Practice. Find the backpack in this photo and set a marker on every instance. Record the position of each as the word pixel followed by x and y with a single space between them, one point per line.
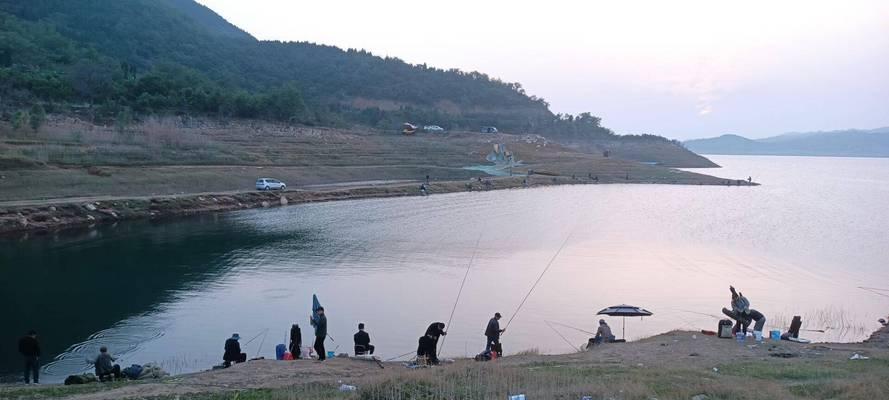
pixel 133 371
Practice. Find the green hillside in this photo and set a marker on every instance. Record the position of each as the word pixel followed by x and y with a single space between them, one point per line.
pixel 108 60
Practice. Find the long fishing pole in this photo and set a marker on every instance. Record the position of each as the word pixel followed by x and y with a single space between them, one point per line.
pixel 257 335
pixel 460 292
pixel 548 265
pixel 560 335
pixel 397 357
pixel 874 291
pixel 570 327
pixel 261 342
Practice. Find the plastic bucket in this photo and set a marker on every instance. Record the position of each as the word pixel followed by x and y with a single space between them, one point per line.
pixel 757 335
pixel 331 354
pixel 740 337
pixel 775 334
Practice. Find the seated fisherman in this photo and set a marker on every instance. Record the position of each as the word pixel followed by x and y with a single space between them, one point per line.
pixel 105 366
pixel 233 351
pixel 362 342
pixel 603 333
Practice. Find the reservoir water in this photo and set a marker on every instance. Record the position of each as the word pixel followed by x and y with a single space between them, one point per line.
pixel 804 243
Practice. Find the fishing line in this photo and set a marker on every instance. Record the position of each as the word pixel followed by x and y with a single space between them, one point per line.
pixel 261 342
pixel 466 275
pixel 397 357
pixel 873 288
pixel 550 264
pixel 570 327
pixel 560 335
pixel 257 335
pixel 874 291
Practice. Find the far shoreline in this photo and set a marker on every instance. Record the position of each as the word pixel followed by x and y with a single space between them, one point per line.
pixel 55 215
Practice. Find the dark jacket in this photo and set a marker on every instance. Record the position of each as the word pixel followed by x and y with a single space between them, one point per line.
pixel 29 347
pixel 362 339
pixel 232 350
pixel 104 364
pixel 436 329
pixel 296 336
pixel 320 324
pixel 493 329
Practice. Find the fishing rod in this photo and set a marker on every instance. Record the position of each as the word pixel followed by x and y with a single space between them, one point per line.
pixel 459 292
pixel 397 357
pixel 548 265
pixel 262 342
pixel 571 327
pixel 560 335
pixel 257 335
pixel 874 291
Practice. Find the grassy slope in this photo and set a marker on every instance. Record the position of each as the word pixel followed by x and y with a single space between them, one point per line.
pixel 669 366
pixel 162 157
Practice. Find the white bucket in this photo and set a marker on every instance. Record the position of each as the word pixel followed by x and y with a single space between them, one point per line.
pixel 757 335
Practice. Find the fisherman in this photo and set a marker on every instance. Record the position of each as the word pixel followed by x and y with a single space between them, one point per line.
pixel 492 333
pixel 105 366
pixel 428 343
pixel 296 341
pixel 29 347
pixel 423 189
pixel 319 321
pixel 362 342
pixel 749 179
pixel 603 333
pixel 743 314
pixel 233 351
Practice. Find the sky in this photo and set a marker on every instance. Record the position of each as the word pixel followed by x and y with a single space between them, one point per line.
pixel 681 68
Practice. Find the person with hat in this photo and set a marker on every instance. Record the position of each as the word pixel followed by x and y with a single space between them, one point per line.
pixel 233 351
pixel 362 342
pixel 492 333
pixel 603 333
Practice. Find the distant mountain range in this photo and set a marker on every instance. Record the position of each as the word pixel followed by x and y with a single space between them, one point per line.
pixel 845 143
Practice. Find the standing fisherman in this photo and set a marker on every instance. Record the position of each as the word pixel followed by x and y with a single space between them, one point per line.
pixel 30 349
pixel 319 321
pixel 492 333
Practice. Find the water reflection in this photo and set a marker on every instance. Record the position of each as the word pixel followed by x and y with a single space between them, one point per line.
pixel 172 292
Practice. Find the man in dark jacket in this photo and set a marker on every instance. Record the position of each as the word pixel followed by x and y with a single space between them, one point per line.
pixel 428 343
pixel 233 351
pixel 29 347
pixel 492 333
pixel 362 342
pixel 105 366
pixel 319 321
pixel 296 341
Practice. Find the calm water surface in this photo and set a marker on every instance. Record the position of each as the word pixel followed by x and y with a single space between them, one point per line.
pixel 801 244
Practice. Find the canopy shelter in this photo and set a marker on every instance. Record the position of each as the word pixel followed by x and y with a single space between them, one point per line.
pixel 625 311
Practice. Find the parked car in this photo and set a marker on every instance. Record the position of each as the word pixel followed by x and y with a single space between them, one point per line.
pixel 489 129
pixel 433 129
pixel 270 184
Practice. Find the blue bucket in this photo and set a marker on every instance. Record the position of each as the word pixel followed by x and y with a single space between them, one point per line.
pixel 741 337
pixel 331 354
pixel 775 334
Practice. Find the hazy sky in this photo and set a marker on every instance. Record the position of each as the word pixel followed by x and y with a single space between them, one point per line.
pixel 682 69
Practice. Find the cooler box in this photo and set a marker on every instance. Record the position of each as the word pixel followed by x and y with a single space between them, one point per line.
pixel 725 329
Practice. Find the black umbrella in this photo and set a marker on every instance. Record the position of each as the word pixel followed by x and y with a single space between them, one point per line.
pixel 625 311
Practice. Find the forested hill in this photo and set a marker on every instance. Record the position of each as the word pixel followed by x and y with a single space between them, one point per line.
pixel 107 57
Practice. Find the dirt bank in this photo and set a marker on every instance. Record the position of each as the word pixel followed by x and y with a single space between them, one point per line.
pixel 50 215
pixel 674 365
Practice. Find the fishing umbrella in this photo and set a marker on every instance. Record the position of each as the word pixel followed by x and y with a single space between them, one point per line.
pixel 625 311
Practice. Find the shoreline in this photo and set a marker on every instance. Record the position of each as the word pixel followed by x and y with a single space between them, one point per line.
pixel 674 364
pixel 47 216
